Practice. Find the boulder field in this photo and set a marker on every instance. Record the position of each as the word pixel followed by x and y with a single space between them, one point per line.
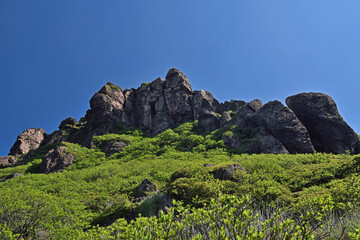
pixel 310 121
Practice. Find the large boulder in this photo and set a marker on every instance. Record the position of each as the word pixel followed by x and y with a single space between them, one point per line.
pixel 7 161
pixel 111 148
pixel 56 160
pixel 226 172
pixel 30 139
pixel 328 131
pixel 282 123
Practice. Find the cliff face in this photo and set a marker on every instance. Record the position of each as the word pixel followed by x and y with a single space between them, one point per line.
pixel 310 122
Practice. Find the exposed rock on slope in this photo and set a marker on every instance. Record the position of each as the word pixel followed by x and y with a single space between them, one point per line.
pixel 56 160
pixel 328 131
pixel 30 139
pixel 7 161
pixel 313 123
pixel 282 123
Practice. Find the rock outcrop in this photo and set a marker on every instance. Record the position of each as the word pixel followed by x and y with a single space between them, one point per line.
pixel 282 123
pixel 56 160
pixel 7 161
pixel 111 148
pixel 226 172
pixel 311 123
pixel 328 131
pixel 30 139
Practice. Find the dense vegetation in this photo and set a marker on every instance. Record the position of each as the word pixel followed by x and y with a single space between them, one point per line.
pixel 303 196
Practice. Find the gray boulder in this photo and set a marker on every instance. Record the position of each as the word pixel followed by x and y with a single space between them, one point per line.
pixel 56 160
pixel 30 139
pixel 7 161
pixel 328 131
pixel 111 148
pixel 282 123
pixel 226 172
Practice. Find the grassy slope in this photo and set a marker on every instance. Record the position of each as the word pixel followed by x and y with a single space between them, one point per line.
pixel 98 190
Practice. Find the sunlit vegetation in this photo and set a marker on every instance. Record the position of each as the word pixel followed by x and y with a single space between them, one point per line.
pixel 303 196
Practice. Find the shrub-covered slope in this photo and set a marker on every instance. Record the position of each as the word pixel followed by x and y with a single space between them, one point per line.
pixel 94 198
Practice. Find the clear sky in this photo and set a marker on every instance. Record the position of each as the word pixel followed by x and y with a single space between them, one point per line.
pixel 54 55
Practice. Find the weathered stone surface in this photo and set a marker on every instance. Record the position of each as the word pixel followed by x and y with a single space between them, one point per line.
pixel 56 160
pixel 328 131
pixel 244 116
pixel 225 119
pixel 7 161
pixel 282 123
pixel 67 123
pixel 113 147
pixel 30 139
pixel 205 111
pixel 176 80
pixel 178 97
pixel 260 141
pixel 227 172
pixel 267 143
pixel 152 113
pixel 55 137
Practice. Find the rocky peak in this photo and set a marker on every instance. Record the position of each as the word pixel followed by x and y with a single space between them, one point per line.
pixel 176 80
pixel 312 123
pixel 328 131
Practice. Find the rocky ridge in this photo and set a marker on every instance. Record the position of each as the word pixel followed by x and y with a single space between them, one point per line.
pixel 311 121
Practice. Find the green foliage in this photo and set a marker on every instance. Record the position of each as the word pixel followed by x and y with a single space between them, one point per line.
pixel 276 197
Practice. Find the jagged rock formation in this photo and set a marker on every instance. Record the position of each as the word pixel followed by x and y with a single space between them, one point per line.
pixel 111 148
pixel 7 161
pixel 30 139
pixel 311 122
pixel 328 131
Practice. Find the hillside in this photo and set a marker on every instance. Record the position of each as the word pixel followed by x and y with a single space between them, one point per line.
pixel 165 162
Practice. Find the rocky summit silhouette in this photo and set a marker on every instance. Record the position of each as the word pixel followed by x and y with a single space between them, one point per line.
pixel 309 123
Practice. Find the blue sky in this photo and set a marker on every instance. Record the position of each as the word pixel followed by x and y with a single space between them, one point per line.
pixel 54 55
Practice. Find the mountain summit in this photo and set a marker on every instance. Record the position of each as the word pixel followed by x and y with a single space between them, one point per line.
pixel 311 121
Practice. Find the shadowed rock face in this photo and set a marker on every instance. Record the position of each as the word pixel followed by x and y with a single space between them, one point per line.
pixel 56 160
pixel 282 123
pixel 30 139
pixel 328 131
